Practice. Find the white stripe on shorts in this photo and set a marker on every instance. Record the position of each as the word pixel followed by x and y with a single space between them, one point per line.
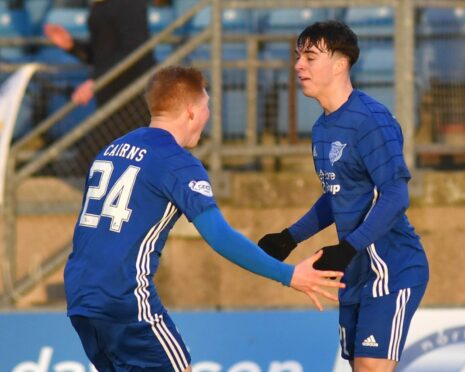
pixel 169 343
pixel 381 283
pixel 398 324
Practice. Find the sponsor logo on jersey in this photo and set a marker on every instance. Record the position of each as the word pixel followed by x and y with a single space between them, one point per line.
pixel 202 187
pixel 336 151
pixel 370 342
pixel 328 186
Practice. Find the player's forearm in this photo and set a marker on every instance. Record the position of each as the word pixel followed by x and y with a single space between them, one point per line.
pixel 391 205
pixel 316 219
pixel 238 249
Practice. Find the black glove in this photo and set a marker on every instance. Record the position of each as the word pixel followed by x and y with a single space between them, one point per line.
pixel 336 257
pixel 278 245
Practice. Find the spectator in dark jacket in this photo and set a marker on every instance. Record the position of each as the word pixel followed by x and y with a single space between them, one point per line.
pixel 117 28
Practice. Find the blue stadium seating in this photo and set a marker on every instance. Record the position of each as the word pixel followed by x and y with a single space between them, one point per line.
pixel 308 110
pixel 14 23
pixel 288 21
pixel 442 21
pixel 234 107
pixel 233 21
pixel 70 121
pixel 441 45
pixel 37 10
pixel 234 113
pixel 234 92
pixel 158 19
pixel 73 19
pixel 236 20
pixel 375 64
pixel 181 6
pixel 374 72
pixel 370 21
pixel 291 21
pixel 58 90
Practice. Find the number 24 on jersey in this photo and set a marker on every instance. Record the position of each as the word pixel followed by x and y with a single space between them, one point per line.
pixel 115 204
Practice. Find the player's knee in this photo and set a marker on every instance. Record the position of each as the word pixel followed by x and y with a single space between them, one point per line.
pixel 374 365
pixel 188 369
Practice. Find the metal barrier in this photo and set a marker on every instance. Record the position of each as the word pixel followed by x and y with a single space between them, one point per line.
pixel 262 76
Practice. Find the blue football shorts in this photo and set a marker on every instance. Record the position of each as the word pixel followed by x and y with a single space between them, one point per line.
pixel 138 346
pixel 377 327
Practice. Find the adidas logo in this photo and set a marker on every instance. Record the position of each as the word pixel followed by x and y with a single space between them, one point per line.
pixel 370 341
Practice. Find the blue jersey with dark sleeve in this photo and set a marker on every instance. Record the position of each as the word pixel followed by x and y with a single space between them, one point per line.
pixel 137 187
pixel 357 152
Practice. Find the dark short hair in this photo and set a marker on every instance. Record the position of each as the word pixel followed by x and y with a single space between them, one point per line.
pixel 171 87
pixel 331 36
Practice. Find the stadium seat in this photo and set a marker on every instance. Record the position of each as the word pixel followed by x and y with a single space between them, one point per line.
pixel 73 19
pixel 374 72
pixel 233 22
pixel 370 21
pixel 55 56
pixel 58 94
pixel 182 6
pixel 14 23
pixel 375 64
pixel 159 18
pixel 434 21
pixel 308 111
pixel 441 45
pixel 287 21
pixel 72 120
pixel 291 20
pixel 37 10
pixel 234 107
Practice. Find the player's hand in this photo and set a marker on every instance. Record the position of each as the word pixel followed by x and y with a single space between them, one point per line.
pixel 336 257
pixel 310 281
pixel 83 93
pixel 59 36
pixel 278 245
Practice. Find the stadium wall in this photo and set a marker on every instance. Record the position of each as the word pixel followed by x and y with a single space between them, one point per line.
pixel 260 203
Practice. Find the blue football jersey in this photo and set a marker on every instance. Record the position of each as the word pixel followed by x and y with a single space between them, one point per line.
pixel 136 189
pixel 356 149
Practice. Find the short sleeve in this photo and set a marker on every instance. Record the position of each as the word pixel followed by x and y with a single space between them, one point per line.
pixel 380 146
pixel 189 188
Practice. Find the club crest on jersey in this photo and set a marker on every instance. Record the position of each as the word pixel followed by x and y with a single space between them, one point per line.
pixel 202 187
pixel 336 151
